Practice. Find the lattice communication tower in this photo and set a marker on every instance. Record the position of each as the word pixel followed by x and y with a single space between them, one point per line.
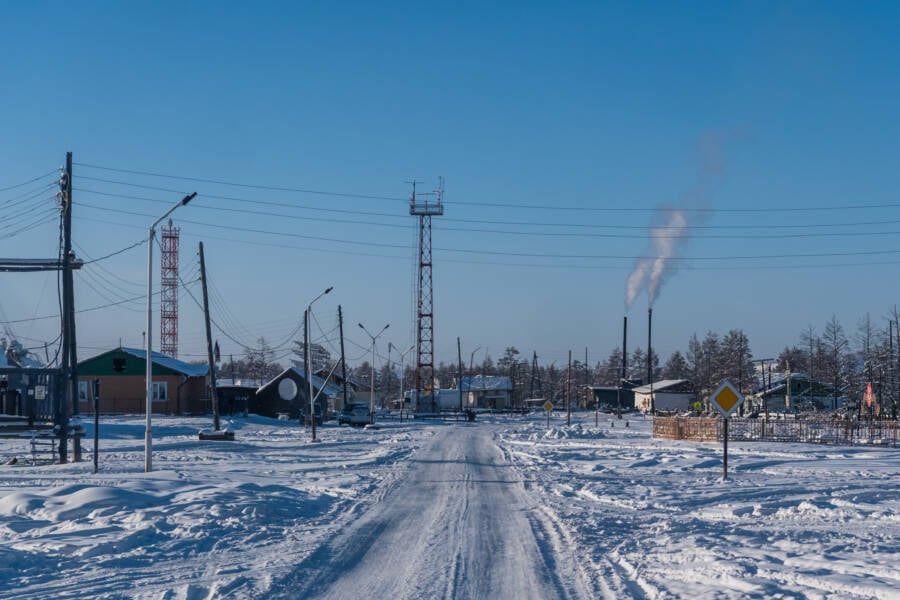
pixel 424 207
pixel 168 302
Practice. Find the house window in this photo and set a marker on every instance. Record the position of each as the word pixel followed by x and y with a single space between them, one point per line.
pixel 160 391
pixel 82 391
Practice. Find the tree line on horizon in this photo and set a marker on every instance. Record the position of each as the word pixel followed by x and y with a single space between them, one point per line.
pixel 846 363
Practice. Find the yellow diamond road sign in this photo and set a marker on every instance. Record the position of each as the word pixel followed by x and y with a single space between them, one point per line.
pixel 726 399
pixel 548 406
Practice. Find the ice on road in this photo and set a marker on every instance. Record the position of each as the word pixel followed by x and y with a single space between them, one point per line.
pixel 460 525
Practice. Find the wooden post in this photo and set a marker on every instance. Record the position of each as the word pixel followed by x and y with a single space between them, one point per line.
pixel 568 391
pixel 213 396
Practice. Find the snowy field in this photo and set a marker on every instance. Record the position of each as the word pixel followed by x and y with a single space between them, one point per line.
pixel 653 518
pixel 638 517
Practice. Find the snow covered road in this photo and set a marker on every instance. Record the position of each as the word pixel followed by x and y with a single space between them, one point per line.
pixel 460 525
pixel 507 508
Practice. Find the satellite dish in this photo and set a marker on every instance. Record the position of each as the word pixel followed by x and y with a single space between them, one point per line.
pixel 287 389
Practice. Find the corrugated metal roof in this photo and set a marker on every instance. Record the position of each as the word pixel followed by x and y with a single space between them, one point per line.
pixel 485 382
pixel 658 386
pixel 169 362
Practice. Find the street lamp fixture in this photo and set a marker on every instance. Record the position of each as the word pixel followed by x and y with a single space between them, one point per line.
pixel 148 435
pixel 472 374
pixel 372 379
pixel 312 399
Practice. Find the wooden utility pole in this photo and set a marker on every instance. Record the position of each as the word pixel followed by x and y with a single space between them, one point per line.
pixel 209 349
pixel 459 364
pixel 568 391
pixel 68 375
pixel 344 362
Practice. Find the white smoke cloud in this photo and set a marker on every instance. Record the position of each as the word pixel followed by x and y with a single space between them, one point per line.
pixel 667 239
pixel 650 273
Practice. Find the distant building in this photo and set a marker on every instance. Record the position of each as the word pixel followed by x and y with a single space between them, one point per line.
pixel 806 394
pixel 486 391
pixel 665 395
pixel 288 393
pixel 235 396
pixel 177 387
pixel 611 398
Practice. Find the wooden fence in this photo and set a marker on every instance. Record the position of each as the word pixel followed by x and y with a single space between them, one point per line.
pixel 817 430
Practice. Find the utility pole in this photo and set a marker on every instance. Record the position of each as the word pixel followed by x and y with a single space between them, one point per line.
pixel 209 349
pixel 343 362
pixel 568 391
pixel 459 364
pixel 586 382
pixel 69 372
pixel 741 369
pixel 891 364
pixel 534 376
pixel 306 365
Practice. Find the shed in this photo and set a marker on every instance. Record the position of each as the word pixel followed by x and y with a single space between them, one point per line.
pixel 611 398
pixel 487 391
pixel 178 387
pixel 667 395
pixel 288 392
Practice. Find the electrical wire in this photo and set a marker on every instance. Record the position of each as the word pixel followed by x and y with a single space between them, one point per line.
pixel 117 252
pixel 32 180
pixel 522 254
pixel 248 186
pixel 553 207
pixel 677 231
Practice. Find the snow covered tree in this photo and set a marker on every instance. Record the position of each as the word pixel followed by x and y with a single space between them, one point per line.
pixel 676 367
pixel 261 365
pixel 836 364
pixel 318 354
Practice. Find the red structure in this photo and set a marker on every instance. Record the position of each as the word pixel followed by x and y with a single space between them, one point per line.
pixel 168 302
pixel 424 209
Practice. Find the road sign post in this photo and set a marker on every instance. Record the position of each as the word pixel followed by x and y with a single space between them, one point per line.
pixel 548 406
pixel 726 399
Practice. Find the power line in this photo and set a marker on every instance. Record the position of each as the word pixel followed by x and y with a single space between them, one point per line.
pixel 117 252
pixel 553 207
pixel 272 188
pixel 676 232
pixel 83 310
pixel 32 180
pixel 520 254
pixel 555 265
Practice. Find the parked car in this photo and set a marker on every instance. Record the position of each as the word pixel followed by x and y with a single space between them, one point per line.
pixel 355 413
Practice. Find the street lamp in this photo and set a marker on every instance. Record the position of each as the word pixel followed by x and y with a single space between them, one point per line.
pixel 402 373
pixel 372 380
pixel 471 371
pixel 148 436
pixel 388 391
pixel 312 403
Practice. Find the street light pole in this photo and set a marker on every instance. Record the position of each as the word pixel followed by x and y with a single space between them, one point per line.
pixel 402 373
pixel 312 403
pixel 471 375
pixel 389 370
pixel 372 380
pixel 148 435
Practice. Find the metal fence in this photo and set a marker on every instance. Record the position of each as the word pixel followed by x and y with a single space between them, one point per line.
pixel 817 430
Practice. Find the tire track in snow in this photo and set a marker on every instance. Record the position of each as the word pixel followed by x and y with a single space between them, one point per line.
pixel 459 525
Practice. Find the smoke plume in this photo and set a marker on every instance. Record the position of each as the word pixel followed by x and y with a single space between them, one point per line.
pixel 668 238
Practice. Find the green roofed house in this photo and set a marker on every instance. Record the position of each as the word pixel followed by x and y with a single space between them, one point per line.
pixel 178 387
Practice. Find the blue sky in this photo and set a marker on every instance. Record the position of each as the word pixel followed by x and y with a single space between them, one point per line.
pixel 545 121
